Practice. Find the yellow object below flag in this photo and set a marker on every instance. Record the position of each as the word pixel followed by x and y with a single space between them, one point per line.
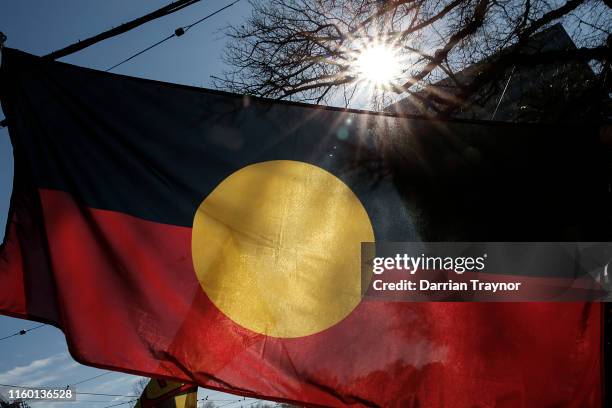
pixel 167 394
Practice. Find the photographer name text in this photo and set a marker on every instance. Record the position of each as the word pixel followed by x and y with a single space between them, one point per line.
pixel 410 265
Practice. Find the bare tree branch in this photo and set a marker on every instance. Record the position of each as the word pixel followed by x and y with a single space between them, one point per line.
pixel 307 49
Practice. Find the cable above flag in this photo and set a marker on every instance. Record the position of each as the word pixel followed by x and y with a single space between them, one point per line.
pixel 212 238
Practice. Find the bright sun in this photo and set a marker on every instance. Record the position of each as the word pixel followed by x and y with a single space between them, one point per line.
pixel 378 64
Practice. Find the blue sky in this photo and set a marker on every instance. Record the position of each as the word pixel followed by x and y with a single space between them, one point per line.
pixel 40 358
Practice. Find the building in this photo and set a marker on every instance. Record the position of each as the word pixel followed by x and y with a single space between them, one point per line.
pixel 540 93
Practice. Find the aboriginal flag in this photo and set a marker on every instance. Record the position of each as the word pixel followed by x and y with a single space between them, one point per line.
pixel 213 238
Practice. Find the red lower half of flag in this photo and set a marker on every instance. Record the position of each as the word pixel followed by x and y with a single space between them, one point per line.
pixel 125 293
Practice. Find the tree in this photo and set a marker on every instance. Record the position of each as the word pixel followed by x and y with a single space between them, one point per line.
pixel 309 50
pixel 140 385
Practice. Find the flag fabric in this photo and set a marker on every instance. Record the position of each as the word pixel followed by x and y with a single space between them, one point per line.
pixel 168 394
pixel 211 238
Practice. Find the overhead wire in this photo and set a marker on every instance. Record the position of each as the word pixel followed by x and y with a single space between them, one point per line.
pixel 228 402
pixel 91 378
pixel 123 28
pixel 121 403
pixel 503 93
pixel 95 401
pixel 189 26
pixel 233 402
pixel 140 52
pixel 177 33
pixel 106 395
pixel 22 332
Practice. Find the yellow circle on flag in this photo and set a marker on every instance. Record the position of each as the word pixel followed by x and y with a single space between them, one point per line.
pixel 276 247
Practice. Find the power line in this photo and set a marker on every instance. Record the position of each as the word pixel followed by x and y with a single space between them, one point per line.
pixel 233 402
pixel 188 27
pixel 177 33
pixel 94 401
pixel 106 395
pixel 227 402
pixel 162 12
pixel 221 400
pixel 121 403
pixel 503 93
pixel 22 332
pixel 140 52
pixel 91 378
pixel 78 382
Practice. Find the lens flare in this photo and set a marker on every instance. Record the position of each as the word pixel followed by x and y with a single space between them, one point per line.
pixel 378 64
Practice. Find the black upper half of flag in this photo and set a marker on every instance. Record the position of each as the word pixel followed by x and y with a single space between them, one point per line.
pixel 155 150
